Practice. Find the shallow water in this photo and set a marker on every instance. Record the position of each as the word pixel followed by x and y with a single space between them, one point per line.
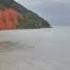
pixel 37 49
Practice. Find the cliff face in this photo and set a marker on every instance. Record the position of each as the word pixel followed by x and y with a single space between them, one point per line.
pixel 15 16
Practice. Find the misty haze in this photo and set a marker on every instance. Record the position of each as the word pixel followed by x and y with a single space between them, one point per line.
pixel 39 49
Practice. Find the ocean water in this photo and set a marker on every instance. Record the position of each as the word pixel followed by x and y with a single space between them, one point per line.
pixel 35 49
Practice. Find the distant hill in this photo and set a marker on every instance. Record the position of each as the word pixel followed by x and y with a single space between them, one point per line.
pixel 23 18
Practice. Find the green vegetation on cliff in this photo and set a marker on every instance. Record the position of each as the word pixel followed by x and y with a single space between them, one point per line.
pixel 29 19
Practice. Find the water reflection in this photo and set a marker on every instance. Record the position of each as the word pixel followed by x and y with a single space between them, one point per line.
pixel 7 45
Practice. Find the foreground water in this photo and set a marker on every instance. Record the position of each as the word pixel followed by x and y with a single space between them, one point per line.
pixel 40 49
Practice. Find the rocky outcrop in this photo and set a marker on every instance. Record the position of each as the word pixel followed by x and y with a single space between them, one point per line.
pixel 15 16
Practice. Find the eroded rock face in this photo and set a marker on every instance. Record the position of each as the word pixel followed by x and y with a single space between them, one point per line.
pixel 9 18
pixel 15 16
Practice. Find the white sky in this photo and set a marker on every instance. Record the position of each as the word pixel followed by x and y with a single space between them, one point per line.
pixel 57 12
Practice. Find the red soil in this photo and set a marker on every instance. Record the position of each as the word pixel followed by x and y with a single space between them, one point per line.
pixel 9 19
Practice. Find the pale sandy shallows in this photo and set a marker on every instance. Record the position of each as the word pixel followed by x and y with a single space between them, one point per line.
pixel 40 49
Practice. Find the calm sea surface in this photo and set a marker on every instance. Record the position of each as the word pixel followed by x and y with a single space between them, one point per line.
pixel 37 49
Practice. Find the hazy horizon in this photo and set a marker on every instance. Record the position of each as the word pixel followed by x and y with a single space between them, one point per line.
pixel 57 12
